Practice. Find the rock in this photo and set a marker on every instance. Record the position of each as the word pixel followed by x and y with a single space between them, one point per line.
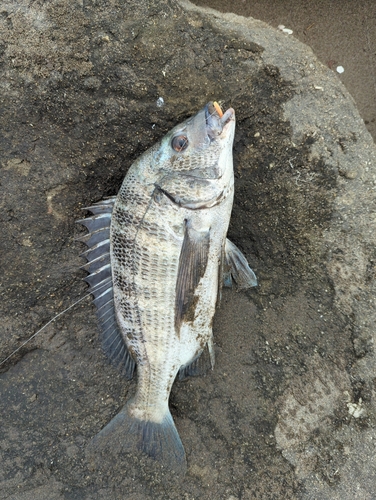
pixel 82 87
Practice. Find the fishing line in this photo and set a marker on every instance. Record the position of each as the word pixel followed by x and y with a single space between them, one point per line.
pixel 52 320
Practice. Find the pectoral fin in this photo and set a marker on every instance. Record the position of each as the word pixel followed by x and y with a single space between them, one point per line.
pixel 236 266
pixel 192 265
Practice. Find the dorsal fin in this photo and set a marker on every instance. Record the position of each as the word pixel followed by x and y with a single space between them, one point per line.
pixel 100 281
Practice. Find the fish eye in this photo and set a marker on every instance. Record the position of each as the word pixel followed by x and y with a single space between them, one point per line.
pixel 179 143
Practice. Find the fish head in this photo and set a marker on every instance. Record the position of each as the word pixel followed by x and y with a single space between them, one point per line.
pixel 202 144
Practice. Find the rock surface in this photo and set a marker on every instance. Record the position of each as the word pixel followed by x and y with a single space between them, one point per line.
pixel 289 410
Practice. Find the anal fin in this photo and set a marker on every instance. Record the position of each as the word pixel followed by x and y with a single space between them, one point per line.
pixel 200 364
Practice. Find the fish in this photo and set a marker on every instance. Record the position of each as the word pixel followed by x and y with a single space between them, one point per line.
pixel 157 258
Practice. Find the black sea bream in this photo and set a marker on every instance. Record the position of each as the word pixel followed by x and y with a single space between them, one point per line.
pixel 157 257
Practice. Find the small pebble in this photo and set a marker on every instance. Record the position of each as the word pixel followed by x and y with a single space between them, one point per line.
pixel 285 30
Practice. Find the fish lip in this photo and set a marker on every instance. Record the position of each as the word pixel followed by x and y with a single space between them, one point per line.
pixel 228 117
pixel 216 124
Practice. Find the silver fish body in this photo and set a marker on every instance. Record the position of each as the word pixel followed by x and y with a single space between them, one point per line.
pixel 163 261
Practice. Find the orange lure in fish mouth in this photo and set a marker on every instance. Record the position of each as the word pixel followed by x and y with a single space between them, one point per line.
pixel 218 109
pixel 216 120
pixel 224 117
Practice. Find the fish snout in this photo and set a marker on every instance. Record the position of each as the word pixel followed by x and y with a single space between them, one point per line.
pixel 217 121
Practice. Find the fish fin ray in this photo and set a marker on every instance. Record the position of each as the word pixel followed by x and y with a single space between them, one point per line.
pixel 221 273
pixel 211 352
pixel 100 283
pixel 200 364
pixel 94 237
pixel 97 250
pixel 103 206
pixel 95 264
pixel 127 434
pixel 116 350
pixel 192 265
pixel 98 221
pixel 237 268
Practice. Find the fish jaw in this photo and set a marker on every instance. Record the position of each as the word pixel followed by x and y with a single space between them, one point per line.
pixel 219 125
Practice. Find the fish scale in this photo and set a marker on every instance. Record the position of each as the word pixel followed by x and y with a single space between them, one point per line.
pixel 157 257
pixel 152 276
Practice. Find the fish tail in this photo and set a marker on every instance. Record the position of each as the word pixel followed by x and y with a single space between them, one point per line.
pixel 127 434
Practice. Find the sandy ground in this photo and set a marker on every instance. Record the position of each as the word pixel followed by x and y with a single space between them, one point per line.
pixel 289 410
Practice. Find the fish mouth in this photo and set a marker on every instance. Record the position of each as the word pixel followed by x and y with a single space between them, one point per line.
pixel 217 121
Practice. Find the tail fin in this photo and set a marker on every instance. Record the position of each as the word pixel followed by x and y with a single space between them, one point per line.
pixel 126 434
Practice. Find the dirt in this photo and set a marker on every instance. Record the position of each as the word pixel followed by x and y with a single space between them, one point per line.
pixel 289 409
